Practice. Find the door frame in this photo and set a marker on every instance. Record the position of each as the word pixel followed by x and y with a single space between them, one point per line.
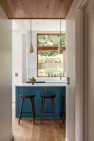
pixel 80 98
pixel 80 115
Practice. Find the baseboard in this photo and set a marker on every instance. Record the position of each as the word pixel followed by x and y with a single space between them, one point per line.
pixel 11 137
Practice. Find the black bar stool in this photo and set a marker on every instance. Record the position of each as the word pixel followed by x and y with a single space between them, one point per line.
pixel 23 97
pixel 43 98
pixel 64 108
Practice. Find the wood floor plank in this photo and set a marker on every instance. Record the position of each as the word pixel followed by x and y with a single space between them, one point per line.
pixel 48 131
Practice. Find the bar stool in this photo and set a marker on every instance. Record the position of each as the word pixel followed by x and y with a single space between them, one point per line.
pixel 23 97
pixel 64 108
pixel 43 98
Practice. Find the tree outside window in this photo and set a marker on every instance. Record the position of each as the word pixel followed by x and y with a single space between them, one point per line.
pixel 50 63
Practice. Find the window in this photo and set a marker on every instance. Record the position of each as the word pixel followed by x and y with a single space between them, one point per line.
pixel 50 63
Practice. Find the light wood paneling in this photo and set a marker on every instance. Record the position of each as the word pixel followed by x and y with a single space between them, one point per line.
pixel 47 131
pixel 36 8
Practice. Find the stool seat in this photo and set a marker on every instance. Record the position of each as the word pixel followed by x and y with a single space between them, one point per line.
pixel 27 96
pixel 48 96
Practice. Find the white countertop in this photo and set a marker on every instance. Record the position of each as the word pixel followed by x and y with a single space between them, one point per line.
pixel 50 84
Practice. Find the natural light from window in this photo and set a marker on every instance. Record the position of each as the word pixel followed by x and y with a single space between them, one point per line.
pixel 51 62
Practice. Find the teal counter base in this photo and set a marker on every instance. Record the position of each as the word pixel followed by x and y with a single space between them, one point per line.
pixel 37 91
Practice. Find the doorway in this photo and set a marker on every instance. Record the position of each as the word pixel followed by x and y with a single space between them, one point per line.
pixel 25 66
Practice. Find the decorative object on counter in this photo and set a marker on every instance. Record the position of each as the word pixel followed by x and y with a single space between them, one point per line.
pixel 36 82
pixel 33 80
pixel 30 48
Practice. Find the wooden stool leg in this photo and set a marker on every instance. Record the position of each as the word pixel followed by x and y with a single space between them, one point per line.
pixel 64 108
pixel 42 108
pixel 53 108
pixel 33 109
pixel 21 107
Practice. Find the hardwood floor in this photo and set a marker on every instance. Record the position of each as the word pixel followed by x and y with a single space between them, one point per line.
pixel 47 131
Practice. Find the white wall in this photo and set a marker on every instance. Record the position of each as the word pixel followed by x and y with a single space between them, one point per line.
pixel 24 72
pixel 70 97
pixel 40 25
pixel 89 30
pixel 5 77
pixel 74 28
pixel 16 60
pixel 16 57
pixel 75 91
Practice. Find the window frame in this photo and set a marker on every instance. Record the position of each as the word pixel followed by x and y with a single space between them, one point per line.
pixel 48 48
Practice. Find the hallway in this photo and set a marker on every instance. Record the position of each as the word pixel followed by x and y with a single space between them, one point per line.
pixel 29 132
pixel 79 15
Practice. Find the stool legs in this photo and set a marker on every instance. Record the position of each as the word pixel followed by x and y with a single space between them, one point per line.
pixel 42 108
pixel 33 110
pixel 53 108
pixel 64 108
pixel 32 106
pixel 21 107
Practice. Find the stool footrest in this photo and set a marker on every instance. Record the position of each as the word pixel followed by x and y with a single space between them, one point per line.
pixel 26 112
pixel 48 112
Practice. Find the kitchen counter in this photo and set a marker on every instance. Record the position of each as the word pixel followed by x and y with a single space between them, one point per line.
pixel 47 84
pixel 59 89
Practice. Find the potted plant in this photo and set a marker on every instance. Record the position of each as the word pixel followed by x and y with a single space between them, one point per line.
pixel 33 80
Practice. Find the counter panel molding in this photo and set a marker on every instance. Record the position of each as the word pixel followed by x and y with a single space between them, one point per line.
pixel 58 91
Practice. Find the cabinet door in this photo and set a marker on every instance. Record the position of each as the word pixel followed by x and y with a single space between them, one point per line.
pixel 37 91
pixel 59 92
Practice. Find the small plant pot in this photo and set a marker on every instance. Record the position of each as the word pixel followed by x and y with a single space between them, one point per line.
pixel 33 81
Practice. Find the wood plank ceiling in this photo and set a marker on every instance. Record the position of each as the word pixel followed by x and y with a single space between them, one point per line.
pixel 36 9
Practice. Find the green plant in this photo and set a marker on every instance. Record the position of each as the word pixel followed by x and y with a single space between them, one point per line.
pixel 33 78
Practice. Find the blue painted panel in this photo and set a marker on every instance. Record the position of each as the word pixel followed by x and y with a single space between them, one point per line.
pixel 59 91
